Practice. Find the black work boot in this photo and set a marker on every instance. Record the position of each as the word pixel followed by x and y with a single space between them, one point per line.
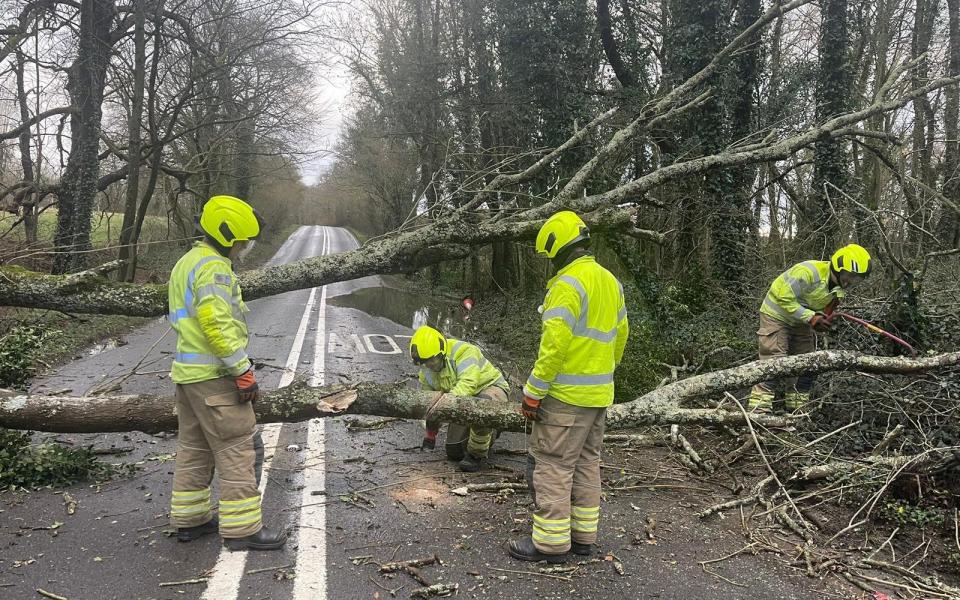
pixel 471 463
pixel 581 549
pixel 188 534
pixel 524 549
pixel 261 540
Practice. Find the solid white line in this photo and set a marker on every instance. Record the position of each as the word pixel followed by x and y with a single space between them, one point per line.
pixel 311 580
pixel 225 582
pixel 290 371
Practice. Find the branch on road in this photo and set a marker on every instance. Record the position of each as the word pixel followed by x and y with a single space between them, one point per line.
pixel 296 403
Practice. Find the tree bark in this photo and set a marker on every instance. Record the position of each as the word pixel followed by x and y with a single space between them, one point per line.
pixel 127 229
pixel 299 403
pixel 85 82
pixel 948 225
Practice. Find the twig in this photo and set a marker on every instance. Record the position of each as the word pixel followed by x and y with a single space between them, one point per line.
pixel 392 592
pixel 53 596
pixel 548 575
pixel 439 589
pixel 184 582
pixel 393 567
pixel 265 569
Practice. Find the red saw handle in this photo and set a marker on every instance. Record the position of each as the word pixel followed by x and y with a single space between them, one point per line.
pixel 873 328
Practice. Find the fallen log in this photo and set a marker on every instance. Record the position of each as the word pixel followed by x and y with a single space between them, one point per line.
pixel 298 402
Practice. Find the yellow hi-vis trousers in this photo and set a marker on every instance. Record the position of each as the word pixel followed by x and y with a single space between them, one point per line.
pixel 216 431
pixel 564 474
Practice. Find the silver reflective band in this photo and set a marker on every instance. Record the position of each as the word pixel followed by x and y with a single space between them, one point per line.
pixel 813 269
pixel 192 358
pixel 463 366
pixel 795 284
pixel 584 379
pixel 561 312
pixel 235 359
pixel 797 314
pixel 212 289
pixel 579 327
pixel 537 383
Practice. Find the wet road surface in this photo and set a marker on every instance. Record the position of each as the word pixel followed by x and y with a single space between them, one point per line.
pixel 353 491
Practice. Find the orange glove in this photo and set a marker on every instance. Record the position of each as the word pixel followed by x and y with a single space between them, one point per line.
pixel 821 322
pixel 247 386
pixel 530 408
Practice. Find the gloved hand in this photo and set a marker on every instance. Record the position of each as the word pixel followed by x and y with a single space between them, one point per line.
pixel 429 440
pixel 247 386
pixel 530 408
pixel 821 322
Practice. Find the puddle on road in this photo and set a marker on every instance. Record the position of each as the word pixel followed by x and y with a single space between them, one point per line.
pixel 408 309
pixel 103 347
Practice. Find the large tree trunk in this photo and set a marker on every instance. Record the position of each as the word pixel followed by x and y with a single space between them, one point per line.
pixel 299 402
pixel 128 236
pixel 86 80
pixel 820 224
pixel 948 226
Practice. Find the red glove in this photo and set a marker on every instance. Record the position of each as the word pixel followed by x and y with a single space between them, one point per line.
pixel 530 408
pixel 429 440
pixel 821 322
pixel 247 386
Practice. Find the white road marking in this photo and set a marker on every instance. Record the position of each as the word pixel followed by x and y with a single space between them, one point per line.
pixel 311 580
pixel 290 370
pixel 368 340
pixel 225 582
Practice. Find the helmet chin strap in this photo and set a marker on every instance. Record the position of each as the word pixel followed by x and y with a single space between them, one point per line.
pixel 242 257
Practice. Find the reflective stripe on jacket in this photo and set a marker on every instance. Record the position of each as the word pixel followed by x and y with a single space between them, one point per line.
pixel 800 292
pixel 206 311
pixel 585 330
pixel 466 372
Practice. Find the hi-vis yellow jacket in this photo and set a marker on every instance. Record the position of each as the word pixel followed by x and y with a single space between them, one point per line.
pixel 585 330
pixel 206 311
pixel 466 372
pixel 800 292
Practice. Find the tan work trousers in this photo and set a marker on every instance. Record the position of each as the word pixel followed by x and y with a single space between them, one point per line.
pixel 776 339
pixel 564 474
pixel 216 431
pixel 479 439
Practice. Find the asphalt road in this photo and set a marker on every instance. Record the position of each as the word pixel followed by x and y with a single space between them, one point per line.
pixel 353 492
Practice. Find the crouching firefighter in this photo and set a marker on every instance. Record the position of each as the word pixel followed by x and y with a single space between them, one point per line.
pixel 800 303
pixel 584 333
pixel 215 385
pixel 459 368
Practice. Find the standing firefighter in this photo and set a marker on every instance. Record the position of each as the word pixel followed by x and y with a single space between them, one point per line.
pixel 216 387
pixel 800 303
pixel 584 333
pixel 456 367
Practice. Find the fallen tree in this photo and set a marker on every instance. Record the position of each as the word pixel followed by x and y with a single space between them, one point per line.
pixel 299 402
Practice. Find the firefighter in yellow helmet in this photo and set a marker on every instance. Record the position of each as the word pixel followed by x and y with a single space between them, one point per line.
pixel 459 368
pixel 215 385
pixel 801 302
pixel 566 396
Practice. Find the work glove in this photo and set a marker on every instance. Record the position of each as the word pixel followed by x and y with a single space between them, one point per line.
pixel 821 322
pixel 247 386
pixel 429 440
pixel 530 408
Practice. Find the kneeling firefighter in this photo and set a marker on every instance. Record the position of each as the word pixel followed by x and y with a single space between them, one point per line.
pixel 457 367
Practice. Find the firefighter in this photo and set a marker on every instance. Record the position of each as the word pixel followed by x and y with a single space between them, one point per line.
pixel 459 368
pixel 585 330
pixel 215 385
pixel 800 303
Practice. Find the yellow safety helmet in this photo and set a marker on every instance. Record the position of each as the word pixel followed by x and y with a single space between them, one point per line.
pixel 560 231
pixel 227 220
pixel 853 258
pixel 426 343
